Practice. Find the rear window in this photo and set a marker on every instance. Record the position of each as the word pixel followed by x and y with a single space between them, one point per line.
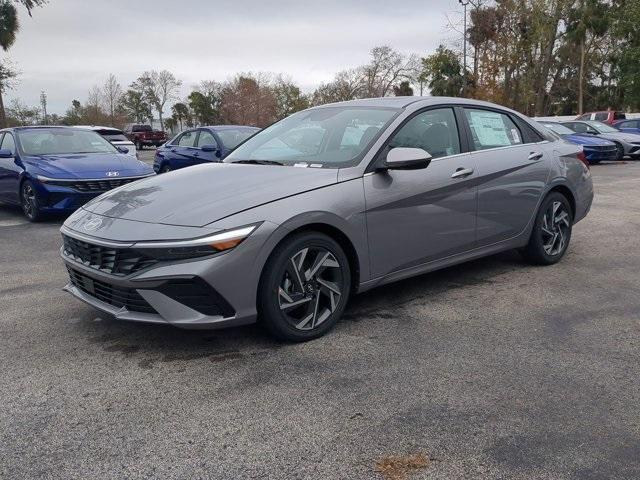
pixel 112 135
pixel 601 116
pixel 619 116
pixel 141 128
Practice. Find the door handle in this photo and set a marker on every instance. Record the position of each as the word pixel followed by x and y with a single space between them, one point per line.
pixel 462 172
pixel 533 156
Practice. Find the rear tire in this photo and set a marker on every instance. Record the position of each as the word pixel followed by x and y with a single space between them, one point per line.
pixel 30 202
pixel 304 287
pixel 551 231
pixel 139 146
pixel 165 169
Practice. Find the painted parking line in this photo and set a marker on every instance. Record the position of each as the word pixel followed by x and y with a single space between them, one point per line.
pixel 12 223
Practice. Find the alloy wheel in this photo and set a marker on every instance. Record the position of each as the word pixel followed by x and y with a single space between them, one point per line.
pixel 556 226
pixel 311 288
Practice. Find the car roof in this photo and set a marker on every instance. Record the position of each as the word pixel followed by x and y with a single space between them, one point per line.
pixel 228 127
pixel 403 102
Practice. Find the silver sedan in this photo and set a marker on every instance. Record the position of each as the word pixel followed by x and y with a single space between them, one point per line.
pixel 329 202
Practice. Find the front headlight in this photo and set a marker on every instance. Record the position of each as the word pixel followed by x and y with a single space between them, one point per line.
pixel 196 247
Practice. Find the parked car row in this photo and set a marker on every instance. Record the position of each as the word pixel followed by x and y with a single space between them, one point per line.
pixel 200 145
pixel 600 141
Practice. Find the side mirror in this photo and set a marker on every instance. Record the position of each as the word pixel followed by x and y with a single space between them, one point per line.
pixel 209 148
pixel 402 158
pixel 123 149
pixel 4 153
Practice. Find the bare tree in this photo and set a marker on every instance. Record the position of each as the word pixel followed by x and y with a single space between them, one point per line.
pixel 158 88
pixel 111 96
pixel 386 69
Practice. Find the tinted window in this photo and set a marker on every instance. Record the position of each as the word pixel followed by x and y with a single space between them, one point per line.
pixel 601 116
pixel 619 116
pixel 492 129
pixel 187 139
pixel 206 138
pixel 112 135
pixel 435 131
pixel 8 143
pixel 142 128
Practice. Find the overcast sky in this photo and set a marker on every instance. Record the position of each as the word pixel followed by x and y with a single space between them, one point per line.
pixel 70 45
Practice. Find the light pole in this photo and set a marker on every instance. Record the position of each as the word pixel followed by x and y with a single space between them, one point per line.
pixel 464 3
pixel 43 102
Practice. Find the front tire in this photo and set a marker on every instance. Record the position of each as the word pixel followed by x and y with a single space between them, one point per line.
pixel 304 287
pixel 139 146
pixel 620 151
pixel 30 202
pixel 165 169
pixel 551 232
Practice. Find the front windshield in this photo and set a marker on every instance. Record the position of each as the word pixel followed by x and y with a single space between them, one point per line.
pixel 602 127
pixel 559 129
pixel 62 141
pixel 324 137
pixel 232 137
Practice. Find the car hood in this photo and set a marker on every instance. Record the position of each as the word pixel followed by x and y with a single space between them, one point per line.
pixel 199 195
pixel 588 140
pixel 89 165
pixel 624 137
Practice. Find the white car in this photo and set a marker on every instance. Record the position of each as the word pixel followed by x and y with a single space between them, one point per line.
pixel 114 136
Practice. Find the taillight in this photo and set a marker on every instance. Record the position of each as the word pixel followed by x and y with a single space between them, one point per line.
pixel 583 158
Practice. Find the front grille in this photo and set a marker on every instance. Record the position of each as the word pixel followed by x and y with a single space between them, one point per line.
pixel 601 148
pixel 99 185
pixel 116 261
pixel 117 296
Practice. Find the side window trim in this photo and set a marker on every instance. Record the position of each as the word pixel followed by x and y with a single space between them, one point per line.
pixel 462 137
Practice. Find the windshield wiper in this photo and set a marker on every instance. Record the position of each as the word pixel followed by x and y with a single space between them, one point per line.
pixel 259 162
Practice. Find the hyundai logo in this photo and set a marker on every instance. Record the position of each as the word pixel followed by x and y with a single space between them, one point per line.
pixel 113 174
pixel 92 224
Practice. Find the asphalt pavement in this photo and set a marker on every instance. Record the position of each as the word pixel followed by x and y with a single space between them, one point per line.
pixel 492 369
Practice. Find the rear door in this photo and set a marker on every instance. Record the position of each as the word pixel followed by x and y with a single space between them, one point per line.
pixel 512 168
pixel 418 216
pixel 9 170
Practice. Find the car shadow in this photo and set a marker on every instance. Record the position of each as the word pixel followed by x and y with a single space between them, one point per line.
pixel 150 345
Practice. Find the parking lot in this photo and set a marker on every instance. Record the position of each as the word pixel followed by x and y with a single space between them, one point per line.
pixel 492 368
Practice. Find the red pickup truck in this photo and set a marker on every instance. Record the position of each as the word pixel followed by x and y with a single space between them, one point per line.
pixel 144 135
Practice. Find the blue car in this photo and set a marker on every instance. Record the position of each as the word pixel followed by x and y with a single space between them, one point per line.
pixel 628 126
pixel 57 169
pixel 595 149
pixel 200 145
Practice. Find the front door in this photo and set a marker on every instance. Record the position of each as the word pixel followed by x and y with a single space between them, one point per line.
pixel 418 216
pixel 206 139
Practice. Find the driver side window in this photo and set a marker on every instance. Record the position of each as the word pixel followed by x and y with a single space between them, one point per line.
pixel 8 143
pixel 435 131
pixel 187 139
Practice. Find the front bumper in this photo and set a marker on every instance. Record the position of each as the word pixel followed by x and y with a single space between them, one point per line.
pixel 208 292
pixel 165 300
pixel 600 154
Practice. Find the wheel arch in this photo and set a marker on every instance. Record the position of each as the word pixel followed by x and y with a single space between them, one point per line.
pixel 566 191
